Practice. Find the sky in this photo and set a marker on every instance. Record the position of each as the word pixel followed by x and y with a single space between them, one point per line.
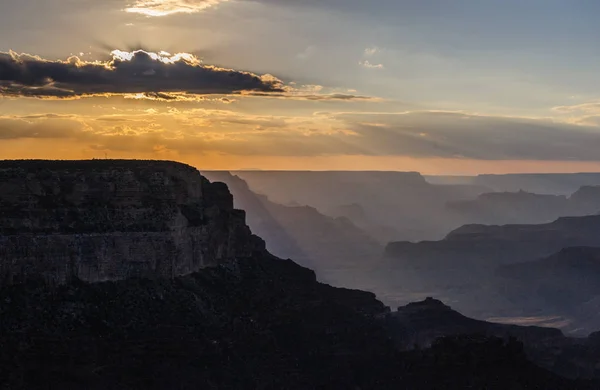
pixel 436 86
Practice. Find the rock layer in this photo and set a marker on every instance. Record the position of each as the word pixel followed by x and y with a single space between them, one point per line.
pixel 102 220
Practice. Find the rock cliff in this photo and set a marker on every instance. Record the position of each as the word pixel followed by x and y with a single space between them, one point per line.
pixel 566 282
pixel 327 245
pixel 539 183
pixel 101 220
pixel 420 324
pixel 501 208
pixel 404 201
pixel 492 245
pixel 250 321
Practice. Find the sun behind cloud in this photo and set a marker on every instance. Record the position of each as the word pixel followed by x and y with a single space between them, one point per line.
pixel 170 7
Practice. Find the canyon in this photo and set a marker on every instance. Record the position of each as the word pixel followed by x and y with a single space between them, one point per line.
pixel 143 275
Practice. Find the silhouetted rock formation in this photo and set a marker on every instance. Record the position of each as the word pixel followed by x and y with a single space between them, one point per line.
pixel 572 267
pixel 404 201
pixel 356 214
pixel 490 246
pixel 329 245
pixel 526 208
pixel 245 324
pixel 467 362
pixel 585 201
pixel 106 220
pixel 567 282
pixel 421 324
pixel 539 183
pixel 248 321
pixel 461 268
pixel 500 208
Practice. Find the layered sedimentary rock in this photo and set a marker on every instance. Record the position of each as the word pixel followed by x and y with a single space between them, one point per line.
pixel 403 201
pixel 567 282
pixel 500 208
pixel 539 183
pixel 107 220
pixel 302 233
pixel 421 323
pixel 252 321
pixel 491 245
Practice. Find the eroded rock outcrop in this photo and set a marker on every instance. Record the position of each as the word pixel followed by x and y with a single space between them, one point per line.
pixel 104 220
pixel 421 323
pixel 500 208
pixel 251 321
pixel 302 233
pixel 492 245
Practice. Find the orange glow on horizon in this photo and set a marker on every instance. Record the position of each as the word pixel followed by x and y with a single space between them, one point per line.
pixel 70 149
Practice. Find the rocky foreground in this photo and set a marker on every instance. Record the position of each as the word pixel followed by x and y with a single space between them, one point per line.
pixel 231 317
pixel 259 323
pixel 102 220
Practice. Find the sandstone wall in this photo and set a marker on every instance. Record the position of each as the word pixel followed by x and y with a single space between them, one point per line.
pixel 103 220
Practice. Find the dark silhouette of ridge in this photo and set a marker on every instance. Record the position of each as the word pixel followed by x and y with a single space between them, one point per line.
pixel 566 282
pixel 260 218
pixel 540 183
pixel 338 250
pixel 243 319
pixel 403 201
pixel 420 324
pixel 527 208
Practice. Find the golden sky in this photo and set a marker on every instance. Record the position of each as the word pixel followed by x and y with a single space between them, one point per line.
pixel 272 84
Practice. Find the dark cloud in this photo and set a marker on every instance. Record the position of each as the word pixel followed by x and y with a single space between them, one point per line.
pixel 46 116
pixel 138 72
pixel 180 97
pixel 316 97
pixel 337 96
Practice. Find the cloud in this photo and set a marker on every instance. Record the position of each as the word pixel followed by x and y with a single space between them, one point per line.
pixel 338 96
pixel 416 134
pixel 316 97
pixel 585 114
pixel 170 7
pixel 307 53
pixel 371 51
pixel 368 65
pixel 43 126
pixel 159 76
pixel 593 107
pixel 176 97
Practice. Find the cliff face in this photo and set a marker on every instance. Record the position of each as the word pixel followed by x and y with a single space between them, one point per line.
pixel 539 183
pixel 403 201
pixel 566 282
pixel 107 220
pixel 251 321
pixel 501 208
pixel 491 245
pixel 302 233
pixel 421 323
